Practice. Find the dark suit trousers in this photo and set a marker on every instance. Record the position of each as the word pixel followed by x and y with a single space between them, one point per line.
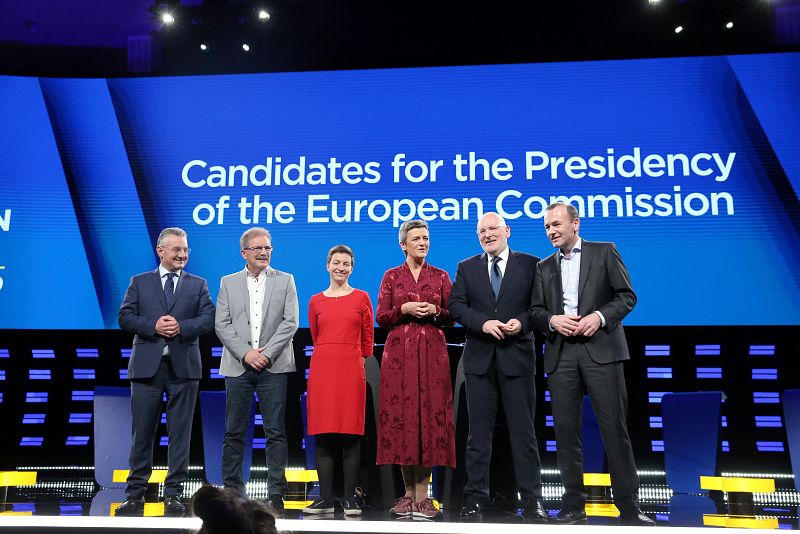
pixel 605 384
pixel 271 391
pixel 146 401
pixel 518 394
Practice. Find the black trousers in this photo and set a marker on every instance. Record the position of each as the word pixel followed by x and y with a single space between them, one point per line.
pixel 605 384
pixel 146 401
pixel 333 448
pixel 518 395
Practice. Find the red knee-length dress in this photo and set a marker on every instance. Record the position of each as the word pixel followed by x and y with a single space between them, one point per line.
pixel 342 330
pixel 415 410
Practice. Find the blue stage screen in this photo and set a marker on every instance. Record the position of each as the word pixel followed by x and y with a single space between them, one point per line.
pixel 690 165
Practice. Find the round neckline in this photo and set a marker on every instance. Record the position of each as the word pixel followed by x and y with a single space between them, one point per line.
pixel 337 296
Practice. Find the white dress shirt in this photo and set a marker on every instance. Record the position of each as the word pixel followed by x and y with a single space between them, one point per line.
pixel 255 289
pixel 502 262
pixel 162 272
pixel 570 278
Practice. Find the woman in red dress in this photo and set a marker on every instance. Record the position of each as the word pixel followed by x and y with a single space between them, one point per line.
pixel 342 331
pixel 415 410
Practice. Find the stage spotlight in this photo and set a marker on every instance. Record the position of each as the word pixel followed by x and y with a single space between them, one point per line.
pixel 678 29
pixel 167 18
pixel 203 47
pixel 729 25
pixel 246 47
pixel 654 1
pixel 263 15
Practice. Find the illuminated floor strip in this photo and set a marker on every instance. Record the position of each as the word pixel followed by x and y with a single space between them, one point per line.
pixel 334 525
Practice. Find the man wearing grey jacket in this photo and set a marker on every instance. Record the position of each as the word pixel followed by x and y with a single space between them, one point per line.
pixel 256 318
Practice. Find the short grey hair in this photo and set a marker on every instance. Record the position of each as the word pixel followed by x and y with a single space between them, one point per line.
pixel 572 211
pixel 166 232
pixel 341 249
pixel 408 226
pixel 250 233
pixel 500 220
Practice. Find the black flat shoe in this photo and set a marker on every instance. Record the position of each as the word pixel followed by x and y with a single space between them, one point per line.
pixel 132 507
pixel 350 507
pixel 569 517
pixel 320 506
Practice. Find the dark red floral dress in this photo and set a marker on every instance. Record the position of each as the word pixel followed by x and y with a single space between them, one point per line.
pixel 415 410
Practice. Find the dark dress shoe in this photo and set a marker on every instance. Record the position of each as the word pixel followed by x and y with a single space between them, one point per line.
pixel 635 518
pixel 533 511
pixel 173 506
pixel 275 505
pixel 471 511
pixel 569 517
pixel 132 507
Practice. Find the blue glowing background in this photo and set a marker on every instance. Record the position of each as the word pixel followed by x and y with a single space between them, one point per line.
pixel 91 171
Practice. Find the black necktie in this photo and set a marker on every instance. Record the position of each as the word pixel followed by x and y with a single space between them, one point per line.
pixel 497 276
pixel 169 289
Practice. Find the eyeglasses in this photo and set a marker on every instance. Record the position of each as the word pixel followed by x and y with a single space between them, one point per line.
pixel 178 250
pixel 259 249
pixel 488 229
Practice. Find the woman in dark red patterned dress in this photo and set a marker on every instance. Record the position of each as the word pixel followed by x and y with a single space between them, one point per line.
pixel 342 330
pixel 415 412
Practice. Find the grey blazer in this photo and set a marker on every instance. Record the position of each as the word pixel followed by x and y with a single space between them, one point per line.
pixel 279 323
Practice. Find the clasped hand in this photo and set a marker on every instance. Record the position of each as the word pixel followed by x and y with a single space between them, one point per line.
pixel 499 329
pixel 575 325
pixel 256 359
pixel 418 309
pixel 167 326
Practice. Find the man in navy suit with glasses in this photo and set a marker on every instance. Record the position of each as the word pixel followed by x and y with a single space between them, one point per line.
pixel 167 309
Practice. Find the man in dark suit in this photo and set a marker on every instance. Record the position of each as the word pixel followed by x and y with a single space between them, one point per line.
pixel 581 294
pixel 167 310
pixel 491 298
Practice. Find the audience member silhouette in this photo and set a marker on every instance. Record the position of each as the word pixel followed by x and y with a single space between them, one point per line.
pixel 223 512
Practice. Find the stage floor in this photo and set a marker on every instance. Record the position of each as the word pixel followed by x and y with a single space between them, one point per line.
pixel 96 525
pixel 69 499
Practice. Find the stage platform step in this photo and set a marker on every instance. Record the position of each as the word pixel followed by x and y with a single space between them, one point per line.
pixel 17 478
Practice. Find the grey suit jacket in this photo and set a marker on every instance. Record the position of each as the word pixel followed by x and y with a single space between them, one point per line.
pixel 279 323
pixel 604 285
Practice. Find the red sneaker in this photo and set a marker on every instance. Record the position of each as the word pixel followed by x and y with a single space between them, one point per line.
pixel 427 508
pixel 404 506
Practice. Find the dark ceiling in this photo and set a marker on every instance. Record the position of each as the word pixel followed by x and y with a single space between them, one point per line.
pixel 91 37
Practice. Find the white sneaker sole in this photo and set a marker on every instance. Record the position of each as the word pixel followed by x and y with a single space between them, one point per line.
pixel 420 515
pixel 401 514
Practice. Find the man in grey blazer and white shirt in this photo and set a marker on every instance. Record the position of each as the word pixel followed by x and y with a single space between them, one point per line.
pixel 256 319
